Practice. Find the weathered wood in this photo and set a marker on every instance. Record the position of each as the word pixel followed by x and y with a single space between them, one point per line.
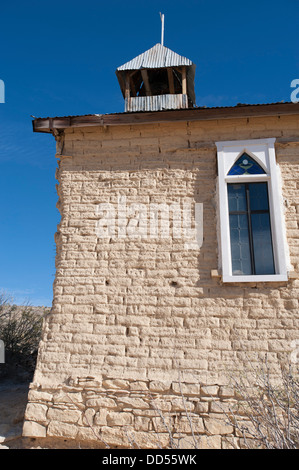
pixel 184 81
pixel 127 93
pixel 145 79
pixel 191 114
pixel 170 80
pixel 132 86
pixel 287 140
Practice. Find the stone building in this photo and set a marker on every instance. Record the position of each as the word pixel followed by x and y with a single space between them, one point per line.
pixel 177 262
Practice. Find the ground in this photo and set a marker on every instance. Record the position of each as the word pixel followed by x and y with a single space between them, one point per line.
pixel 13 400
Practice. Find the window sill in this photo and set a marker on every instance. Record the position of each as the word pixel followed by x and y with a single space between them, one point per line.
pixel 255 278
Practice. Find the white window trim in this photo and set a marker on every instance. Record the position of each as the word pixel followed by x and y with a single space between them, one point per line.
pixel 263 151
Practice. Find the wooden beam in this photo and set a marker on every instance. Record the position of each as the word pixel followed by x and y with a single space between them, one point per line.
pixel 127 92
pixel 184 81
pixel 195 114
pixel 146 82
pixel 170 80
pixel 132 86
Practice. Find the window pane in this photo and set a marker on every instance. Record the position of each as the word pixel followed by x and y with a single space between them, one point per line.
pixel 239 237
pixel 236 197
pixel 245 165
pixel 258 196
pixel 262 244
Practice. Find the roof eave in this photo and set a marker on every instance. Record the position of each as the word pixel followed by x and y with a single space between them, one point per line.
pixel 48 125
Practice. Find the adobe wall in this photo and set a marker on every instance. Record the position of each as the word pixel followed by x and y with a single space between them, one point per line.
pixel 139 330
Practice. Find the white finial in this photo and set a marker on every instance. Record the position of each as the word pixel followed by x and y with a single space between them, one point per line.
pixel 162 29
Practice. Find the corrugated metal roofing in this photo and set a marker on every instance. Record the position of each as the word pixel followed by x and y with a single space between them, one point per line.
pixel 191 114
pixel 177 110
pixel 156 103
pixel 157 57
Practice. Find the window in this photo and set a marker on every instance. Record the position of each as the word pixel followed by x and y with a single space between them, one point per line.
pixel 252 238
pixel 250 229
pixel 245 165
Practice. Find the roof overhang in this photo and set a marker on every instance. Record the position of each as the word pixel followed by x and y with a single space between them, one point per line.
pixel 49 125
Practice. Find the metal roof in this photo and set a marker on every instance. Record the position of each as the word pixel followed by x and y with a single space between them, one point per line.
pixel 238 105
pixel 157 57
pixel 197 113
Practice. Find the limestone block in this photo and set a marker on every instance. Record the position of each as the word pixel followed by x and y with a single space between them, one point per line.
pixel 133 402
pixel 208 391
pixel 218 426
pixel 151 440
pixel 186 442
pixel 210 442
pixel 115 436
pixel 119 419
pixel 101 402
pixel 159 386
pixel 88 434
pixel 182 404
pixel 65 416
pixel 189 424
pixel 100 418
pixel 138 385
pixel 186 389
pixel 59 429
pixel 35 395
pixel 116 384
pixel 68 397
pixel 87 417
pixel 141 423
pixel 32 429
pixel 226 392
pixel 230 443
pixel 36 412
pixel 222 406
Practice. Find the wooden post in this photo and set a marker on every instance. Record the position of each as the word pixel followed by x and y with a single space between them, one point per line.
pixel 132 86
pixel 184 81
pixel 170 81
pixel 127 94
pixel 146 82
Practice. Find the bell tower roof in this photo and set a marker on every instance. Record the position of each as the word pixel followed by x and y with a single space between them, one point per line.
pixel 157 57
pixel 157 79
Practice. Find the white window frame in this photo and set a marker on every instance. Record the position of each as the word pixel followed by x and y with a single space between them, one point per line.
pixel 262 151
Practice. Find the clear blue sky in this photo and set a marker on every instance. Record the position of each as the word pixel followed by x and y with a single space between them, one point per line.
pixel 59 58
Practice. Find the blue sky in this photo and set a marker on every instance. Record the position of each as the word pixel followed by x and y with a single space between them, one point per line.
pixel 59 58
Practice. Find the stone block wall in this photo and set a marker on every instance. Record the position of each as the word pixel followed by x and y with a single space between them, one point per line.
pixel 134 414
pixel 131 315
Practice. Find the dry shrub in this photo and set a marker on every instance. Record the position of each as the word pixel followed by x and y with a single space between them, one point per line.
pixel 20 330
pixel 268 412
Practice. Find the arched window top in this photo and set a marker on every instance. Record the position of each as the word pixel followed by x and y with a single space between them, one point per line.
pixel 246 165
